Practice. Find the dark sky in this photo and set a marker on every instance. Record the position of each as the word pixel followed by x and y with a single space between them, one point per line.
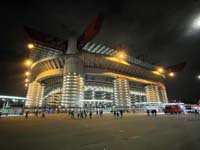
pixel 160 30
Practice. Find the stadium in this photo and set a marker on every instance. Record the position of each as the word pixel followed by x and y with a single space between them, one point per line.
pixel 79 73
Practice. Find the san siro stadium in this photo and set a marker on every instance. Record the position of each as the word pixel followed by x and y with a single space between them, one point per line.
pixel 95 77
pixel 88 76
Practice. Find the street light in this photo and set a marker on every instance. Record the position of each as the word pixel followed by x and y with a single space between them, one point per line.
pixel 198 77
pixel 121 54
pixel 171 74
pixel 26 80
pixel 26 85
pixel 28 62
pixel 160 70
pixel 27 73
pixel 30 46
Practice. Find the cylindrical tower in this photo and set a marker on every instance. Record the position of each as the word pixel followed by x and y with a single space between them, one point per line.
pixel 73 83
pixel 121 93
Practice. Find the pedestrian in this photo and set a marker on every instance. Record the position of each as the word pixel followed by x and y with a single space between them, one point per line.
pixel 36 113
pixel 90 115
pixel 0 114
pixel 72 114
pixel 78 115
pixel 117 115
pixel 195 112
pixel 121 113
pixel 43 115
pixel 148 112
pixel 81 114
pixel 101 113
pixel 26 115
pixel 85 114
pixel 152 112
pixel 155 112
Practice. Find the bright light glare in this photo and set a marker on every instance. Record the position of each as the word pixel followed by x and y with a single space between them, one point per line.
pixel 30 46
pixel 196 23
pixel 171 74
pixel 27 73
pixel 28 62
pixel 26 85
pixel 121 54
pixel 26 80
pixel 161 70
pixel 198 77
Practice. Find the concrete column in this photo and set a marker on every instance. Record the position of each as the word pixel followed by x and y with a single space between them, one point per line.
pixel 34 94
pixel 164 95
pixel 152 93
pixel 155 93
pixel 41 101
pixel 73 83
pixel 121 93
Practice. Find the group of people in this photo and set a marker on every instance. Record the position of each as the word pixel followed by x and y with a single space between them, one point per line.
pixel 81 114
pixel 36 114
pixel 153 112
pixel 118 113
pixel 84 114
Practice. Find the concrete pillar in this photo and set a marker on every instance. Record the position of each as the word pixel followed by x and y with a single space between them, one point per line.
pixel 34 95
pixel 121 93
pixel 164 95
pixel 152 93
pixel 156 93
pixel 73 83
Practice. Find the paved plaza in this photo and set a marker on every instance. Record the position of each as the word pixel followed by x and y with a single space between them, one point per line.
pixel 133 132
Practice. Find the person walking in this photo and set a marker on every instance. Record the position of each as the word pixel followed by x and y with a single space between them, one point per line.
pixel 85 114
pixel 121 113
pixel 115 114
pixel 26 115
pixel 36 113
pixel 81 114
pixel 148 112
pixel 0 114
pixel 90 114
pixel 43 115
pixel 155 112
pixel 72 114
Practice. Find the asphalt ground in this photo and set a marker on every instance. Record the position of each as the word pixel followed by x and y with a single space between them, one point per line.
pixel 133 132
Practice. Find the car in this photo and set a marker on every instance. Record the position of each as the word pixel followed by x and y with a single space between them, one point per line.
pixel 172 109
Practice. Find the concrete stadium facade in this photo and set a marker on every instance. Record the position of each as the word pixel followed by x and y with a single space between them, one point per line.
pixel 96 76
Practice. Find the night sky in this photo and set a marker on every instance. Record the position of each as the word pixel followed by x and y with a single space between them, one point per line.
pixel 165 32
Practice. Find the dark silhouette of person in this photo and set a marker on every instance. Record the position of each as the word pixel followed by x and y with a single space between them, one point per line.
pixel 101 113
pixel 195 112
pixel 43 115
pixel 155 112
pixel 36 113
pixel 121 113
pixel 69 113
pixel 78 115
pixel 148 112
pixel 152 112
pixel 81 114
pixel 85 114
pixel 90 115
pixel 72 114
pixel 117 115
pixel 0 114
pixel 97 112
pixel 26 115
